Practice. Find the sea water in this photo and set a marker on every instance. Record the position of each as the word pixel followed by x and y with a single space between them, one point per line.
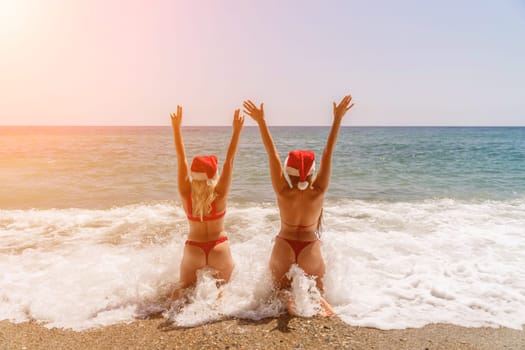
pixel 421 225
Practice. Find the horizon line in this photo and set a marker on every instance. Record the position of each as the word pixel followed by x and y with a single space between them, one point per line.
pixel 274 125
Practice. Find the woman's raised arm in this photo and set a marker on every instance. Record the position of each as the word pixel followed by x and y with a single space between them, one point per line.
pixel 322 179
pixel 223 186
pixel 276 169
pixel 182 163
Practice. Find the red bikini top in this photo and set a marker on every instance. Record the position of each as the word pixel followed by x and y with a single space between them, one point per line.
pixel 212 216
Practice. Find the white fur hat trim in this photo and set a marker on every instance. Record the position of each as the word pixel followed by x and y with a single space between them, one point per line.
pixel 203 176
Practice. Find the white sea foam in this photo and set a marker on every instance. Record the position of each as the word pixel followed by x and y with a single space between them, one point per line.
pixel 389 265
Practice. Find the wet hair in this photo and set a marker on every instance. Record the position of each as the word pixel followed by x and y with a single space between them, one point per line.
pixel 202 196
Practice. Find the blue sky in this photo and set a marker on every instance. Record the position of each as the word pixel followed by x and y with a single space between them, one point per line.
pixel 131 62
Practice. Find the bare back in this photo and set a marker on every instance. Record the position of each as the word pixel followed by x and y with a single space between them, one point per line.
pixel 300 212
pixel 207 230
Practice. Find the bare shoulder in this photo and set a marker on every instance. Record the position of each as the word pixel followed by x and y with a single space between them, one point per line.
pixel 184 199
pixel 317 188
pixel 220 200
pixel 293 195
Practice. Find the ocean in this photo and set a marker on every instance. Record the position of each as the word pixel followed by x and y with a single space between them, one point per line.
pixel 421 225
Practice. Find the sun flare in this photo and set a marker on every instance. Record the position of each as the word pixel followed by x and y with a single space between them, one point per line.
pixel 12 15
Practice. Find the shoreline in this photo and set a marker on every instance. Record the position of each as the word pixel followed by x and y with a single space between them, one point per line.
pixel 284 332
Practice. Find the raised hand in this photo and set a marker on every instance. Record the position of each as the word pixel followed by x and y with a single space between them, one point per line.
pixel 238 121
pixel 251 109
pixel 176 118
pixel 343 107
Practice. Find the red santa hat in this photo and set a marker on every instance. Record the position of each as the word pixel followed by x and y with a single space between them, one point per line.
pixel 302 164
pixel 205 168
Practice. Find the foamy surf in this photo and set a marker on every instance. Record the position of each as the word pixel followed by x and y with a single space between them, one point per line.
pixel 389 265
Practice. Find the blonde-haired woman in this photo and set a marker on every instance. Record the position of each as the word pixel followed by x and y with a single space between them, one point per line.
pixel 204 198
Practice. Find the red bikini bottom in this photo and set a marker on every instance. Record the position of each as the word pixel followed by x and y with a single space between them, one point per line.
pixel 297 245
pixel 207 246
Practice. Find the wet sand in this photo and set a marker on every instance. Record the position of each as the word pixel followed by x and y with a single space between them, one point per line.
pixel 284 332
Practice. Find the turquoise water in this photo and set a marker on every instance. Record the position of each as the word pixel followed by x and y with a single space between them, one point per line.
pixel 99 167
pixel 420 163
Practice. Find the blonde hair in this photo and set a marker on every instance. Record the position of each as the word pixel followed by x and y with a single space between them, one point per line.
pixel 202 195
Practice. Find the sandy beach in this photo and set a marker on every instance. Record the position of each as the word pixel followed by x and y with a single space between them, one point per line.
pixel 273 333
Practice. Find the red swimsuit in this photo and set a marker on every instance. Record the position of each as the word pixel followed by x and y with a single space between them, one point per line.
pixel 297 245
pixel 208 245
pixel 213 215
